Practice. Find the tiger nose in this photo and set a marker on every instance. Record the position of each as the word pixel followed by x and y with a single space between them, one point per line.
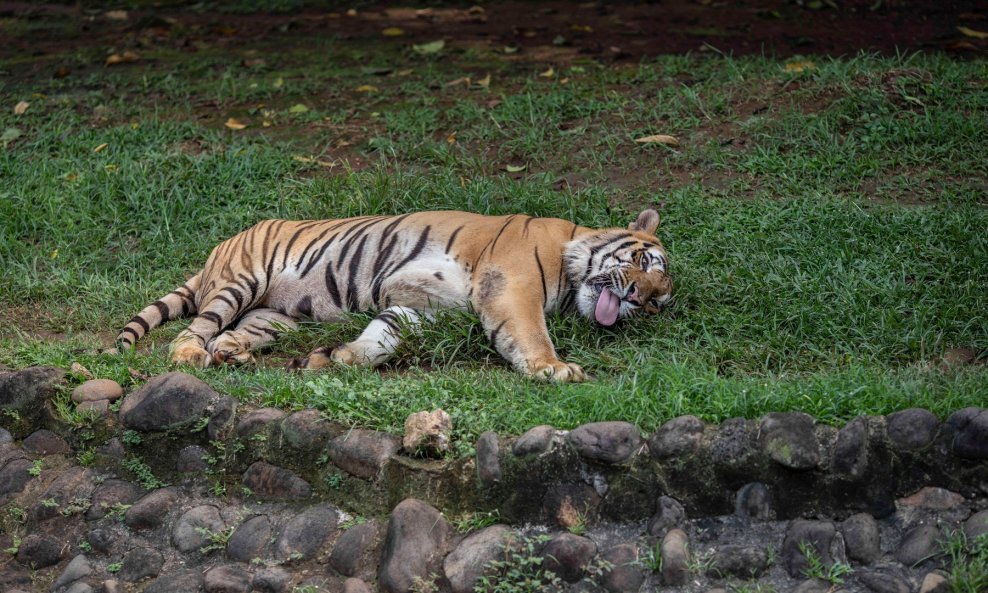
pixel 634 297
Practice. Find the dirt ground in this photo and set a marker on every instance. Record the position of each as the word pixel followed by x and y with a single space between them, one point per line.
pixel 543 31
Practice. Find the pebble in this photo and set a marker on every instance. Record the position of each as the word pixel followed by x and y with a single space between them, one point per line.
pixel 675 558
pixel 97 390
pixel 607 442
pixel 534 441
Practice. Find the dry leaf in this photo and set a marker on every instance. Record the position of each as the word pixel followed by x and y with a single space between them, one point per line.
pixel 515 168
pixel 116 15
pixel 973 33
pixel 81 370
pixel 393 32
pixel 451 139
pixel 101 147
pixel 464 80
pixel 351 12
pixel 485 82
pixel 298 108
pixel 367 88
pixel 124 58
pixel 136 374
pixel 548 73
pixel 584 28
pixel 235 124
pixel 9 135
pixel 312 161
pixel 658 139
pixel 21 107
pixel 800 66
pixel 476 10
pixel 433 47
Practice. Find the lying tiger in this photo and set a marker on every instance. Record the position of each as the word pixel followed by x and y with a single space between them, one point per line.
pixel 511 269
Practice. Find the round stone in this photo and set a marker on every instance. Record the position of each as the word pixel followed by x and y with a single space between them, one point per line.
pixel 468 561
pixel 970 427
pixel 534 441
pixel 918 544
pixel 45 442
pixel 151 510
pixel 861 538
pixel 669 513
pixel 568 555
pixel 676 437
pixel 270 481
pixel 140 563
pixel 173 400
pixel 353 547
pixel 912 429
pixel 250 539
pixel 96 390
pixel 609 442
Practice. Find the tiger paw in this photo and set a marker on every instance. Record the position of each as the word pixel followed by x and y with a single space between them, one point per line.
pixel 558 371
pixel 360 353
pixel 191 354
pixel 228 349
pixel 319 358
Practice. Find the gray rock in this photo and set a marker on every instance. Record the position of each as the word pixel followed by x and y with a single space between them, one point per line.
pixel 40 551
pixel 416 541
pixel 886 579
pixel 270 481
pixel 191 459
pixel 140 563
pixel 5 436
pixel 307 430
pixel 754 502
pixel 110 493
pixel 862 539
pixel 226 578
pixel 669 513
pixel 221 416
pixel 170 401
pixel 45 442
pixel 186 581
pixel 734 444
pixel 14 476
pixel 467 562
pixel 250 539
pixel 976 525
pixel 918 544
pixel 151 510
pixel 675 558
pixel 97 390
pixel 932 501
pixel 813 586
pixel 571 505
pixel 187 533
pixel 25 393
pixel 79 587
pixel 98 409
pixel 568 555
pixel 112 448
pixel 818 535
pixel 608 442
pixel 934 582
pixel 850 458
pixel 627 575
pixel 101 539
pixel 677 437
pixel 912 429
pixel 363 453
pixel 743 562
pixel 77 569
pixel 353 548
pixel 534 441
pixel 304 534
pixel 75 483
pixel 355 586
pixel 271 580
pixel 970 430
pixel 257 421
pixel 488 464
pixel 789 439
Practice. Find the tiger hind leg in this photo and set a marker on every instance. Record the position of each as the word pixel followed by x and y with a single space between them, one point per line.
pixel 255 329
pixel 376 343
pixel 189 347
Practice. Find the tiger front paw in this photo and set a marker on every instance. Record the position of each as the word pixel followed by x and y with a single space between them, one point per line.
pixel 558 371
pixel 191 354
pixel 319 358
pixel 228 349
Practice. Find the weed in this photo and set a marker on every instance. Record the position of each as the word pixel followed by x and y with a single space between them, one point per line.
pixel 85 547
pixel 15 546
pixel 36 466
pixel 216 540
pixel 520 571
pixel 335 480
pixel 469 522
pixel 131 437
pixel 967 562
pixel 17 514
pixel 833 574
pixel 353 521
pixel 50 503
pixel 426 585
pixel 86 457
pixel 142 473
pixel 114 568
pixel 652 560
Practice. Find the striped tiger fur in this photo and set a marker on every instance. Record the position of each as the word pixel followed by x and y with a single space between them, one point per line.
pixel 512 270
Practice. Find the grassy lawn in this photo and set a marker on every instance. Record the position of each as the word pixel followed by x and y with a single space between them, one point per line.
pixel 827 227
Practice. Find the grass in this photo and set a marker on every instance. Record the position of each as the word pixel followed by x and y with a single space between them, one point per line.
pixel 826 229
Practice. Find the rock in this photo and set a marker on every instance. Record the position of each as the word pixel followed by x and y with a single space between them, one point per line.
pixel 140 563
pixel 187 580
pixel 189 533
pixel 754 501
pixel 912 429
pixel 355 586
pixel 97 409
pixel 226 578
pixel 918 544
pixel 676 438
pixel 816 534
pixel 304 534
pixel 627 575
pixel 257 421
pixel 789 439
pixel 151 510
pixel 934 582
pixel 850 457
pixel 353 547
pixel 488 464
pixel 250 539
pixel 221 416
pixel 886 579
pixel 535 441
pixel 111 493
pixel 608 442
pixel 976 525
pixel 97 390
pixel 568 555
pixel 191 459
pixel 270 481
pixel 24 394
pixel 45 442
pixel 946 505
pixel 813 586
pixel 14 476
pixel 112 448
pixel 743 562
pixel 668 514
pixel 111 586
pixel 428 433
pixel 675 558
pixel 77 569
pixel 170 401
pixel 5 436
pixel 75 484
pixel 363 453
pixel 734 444
pixel 468 561
pixel 571 505
pixel 79 587
pixel 271 580
pixel 40 551
pixel 101 539
pixel 414 546
pixel 307 430
pixel 970 429
pixel 861 538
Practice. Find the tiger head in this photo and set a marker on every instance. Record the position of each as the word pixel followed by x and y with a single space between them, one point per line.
pixel 620 273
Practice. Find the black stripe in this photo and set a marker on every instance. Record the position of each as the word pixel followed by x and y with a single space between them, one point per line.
pixel 162 310
pixel 391 320
pixel 498 236
pixel 332 288
pixel 214 317
pixel 253 332
pixel 376 271
pixel 596 249
pixel 496 331
pixel 352 297
pixel 449 244
pixel 304 307
pixel 524 232
pixel 251 283
pixel 236 294
pixel 226 300
pixel 545 292
pixel 140 321
pixel 131 330
pixel 271 332
pixel 419 246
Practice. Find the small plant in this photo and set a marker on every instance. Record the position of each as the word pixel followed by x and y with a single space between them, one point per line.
pixel 87 457
pixel 132 437
pixel 816 569
pixel 15 546
pixel 36 467
pixel 114 568
pixel 118 510
pixel 201 424
pixel 335 480
pixel 217 539
pixel 352 522
pixel 305 589
pixel 967 562
pixel 259 438
pixel 699 563
pixel 76 506
pixel 521 571
pixel 653 558
pixel 142 473
pixel 17 514
pixel 467 522
pixel 86 547
pixel 49 503
pixel 420 585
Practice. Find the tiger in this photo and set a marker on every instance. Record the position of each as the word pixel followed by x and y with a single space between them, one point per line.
pixel 510 270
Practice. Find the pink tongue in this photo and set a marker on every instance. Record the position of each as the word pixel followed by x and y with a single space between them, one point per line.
pixel 607 308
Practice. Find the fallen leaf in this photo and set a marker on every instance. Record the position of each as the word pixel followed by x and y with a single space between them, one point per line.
pixel 658 139
pixel 548 73
pixel 973 33
pixel 451 139
pixel 510 49
pixel 393 32
pixel 485 82
pixel 21 107
pixel 583 28
pixel 136 374
pixel 61 72
pixel 298 108
pixel 124 58
pixel 101 147
pixel 313 161
pixel 254 62
pixel 476 10
pixel 9 135
pixel 367 88
pixel 234 124
pixel 351 12
pixel 278 82
pixel 110 168
pixel 515 168
pixel 81 370
pixel 116 15
pixel 800 66
pixel 433 47
pixel 462 80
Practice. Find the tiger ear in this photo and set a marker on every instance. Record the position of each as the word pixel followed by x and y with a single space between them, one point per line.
pixel 646 222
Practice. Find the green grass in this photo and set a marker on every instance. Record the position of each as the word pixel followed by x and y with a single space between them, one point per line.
pixel 826 229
